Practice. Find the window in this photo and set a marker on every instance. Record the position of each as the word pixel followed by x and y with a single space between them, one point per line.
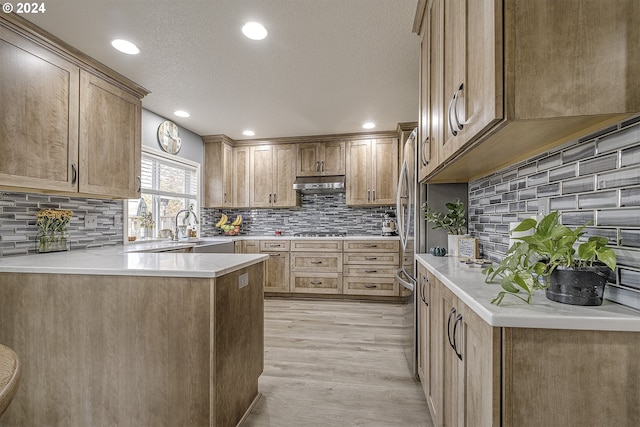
pixel 168 185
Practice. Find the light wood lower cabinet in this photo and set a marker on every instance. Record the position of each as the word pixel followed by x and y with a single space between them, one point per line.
pixel 363 268
pixel 277 275
pixel 474 374
pixel 317 272
pixel 372 272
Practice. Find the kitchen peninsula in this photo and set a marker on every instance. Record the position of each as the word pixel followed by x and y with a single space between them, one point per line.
pixel 146 339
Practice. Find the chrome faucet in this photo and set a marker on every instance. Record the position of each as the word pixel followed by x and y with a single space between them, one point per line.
pixel 189 213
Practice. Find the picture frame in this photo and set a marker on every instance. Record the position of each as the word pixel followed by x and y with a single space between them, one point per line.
pixel 468 247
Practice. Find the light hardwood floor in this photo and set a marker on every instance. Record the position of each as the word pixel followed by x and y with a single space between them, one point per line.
pixel 336 363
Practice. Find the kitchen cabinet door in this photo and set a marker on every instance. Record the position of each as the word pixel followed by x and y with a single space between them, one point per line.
pixel 110 139
pixel 277 275
pixel 284 175
pixel 218 174
pixel 261 180
pixel 321 158
pixel 423 327
pixel 272 174
pixel 431 90
pixel 241 177
pixel 38 117
pixel 333 158
pixel 372 172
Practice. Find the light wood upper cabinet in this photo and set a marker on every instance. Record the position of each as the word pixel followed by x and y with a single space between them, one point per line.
pixel 519 80
pixel 38 116
pixel 321 158
pixel 372 172
pixel 240 172
pixel 72 126
pixel 218 174
pixel 431 125
pixel 110 144
pixel 272 173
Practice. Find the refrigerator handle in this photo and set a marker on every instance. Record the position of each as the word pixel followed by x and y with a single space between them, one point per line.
pixel 401 274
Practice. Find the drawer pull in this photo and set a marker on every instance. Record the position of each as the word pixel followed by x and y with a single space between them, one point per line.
pixel 370 246
pixel 315 282
pixel 371 258
pixel 316 262
pixel 274 254
pixel 274 245
pixel 371 271
pixel 371 286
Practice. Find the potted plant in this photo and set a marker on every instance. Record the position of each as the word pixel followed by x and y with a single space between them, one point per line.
pixel 453 222
pixel 551 259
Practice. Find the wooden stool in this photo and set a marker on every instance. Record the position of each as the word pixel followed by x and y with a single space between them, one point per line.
pixel 9 376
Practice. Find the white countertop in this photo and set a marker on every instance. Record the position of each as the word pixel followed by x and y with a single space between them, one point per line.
pixel 114 261
pixel 468 284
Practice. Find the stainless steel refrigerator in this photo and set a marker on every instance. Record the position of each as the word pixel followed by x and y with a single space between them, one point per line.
pixel 416 235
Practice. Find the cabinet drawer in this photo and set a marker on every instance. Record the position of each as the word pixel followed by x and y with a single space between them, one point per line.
pixel 325 262
pixel 372 258
pixel 316 283
pixel 274 245
pixel 316 245
pixel 384 286
pixel 370 270
pixel 371 246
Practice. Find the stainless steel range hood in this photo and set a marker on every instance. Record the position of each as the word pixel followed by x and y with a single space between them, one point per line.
pixel 319 184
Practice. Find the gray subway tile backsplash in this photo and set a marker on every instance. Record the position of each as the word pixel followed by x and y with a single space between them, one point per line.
pixel 593 180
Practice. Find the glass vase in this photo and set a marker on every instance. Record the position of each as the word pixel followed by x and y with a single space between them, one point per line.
pixel 52 243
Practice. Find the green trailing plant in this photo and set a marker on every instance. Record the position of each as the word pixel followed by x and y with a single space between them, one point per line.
pixel 453 222
pixel 530 261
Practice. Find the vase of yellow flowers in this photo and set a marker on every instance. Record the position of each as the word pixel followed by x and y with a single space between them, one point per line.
pixel 52 229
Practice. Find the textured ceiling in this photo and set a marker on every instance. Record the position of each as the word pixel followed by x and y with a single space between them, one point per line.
pixel 326 67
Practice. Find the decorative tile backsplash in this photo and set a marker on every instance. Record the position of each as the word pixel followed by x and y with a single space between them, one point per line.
pixel 317 212
pixel 18 228
pixel 593 180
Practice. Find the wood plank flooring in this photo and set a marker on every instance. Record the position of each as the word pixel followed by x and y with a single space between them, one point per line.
pixel 336 363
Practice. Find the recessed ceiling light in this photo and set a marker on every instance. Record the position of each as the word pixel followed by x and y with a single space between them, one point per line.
pixel 248 133
pixel 369 125
pixel 254 31
pixel 181 113
pixel 125 46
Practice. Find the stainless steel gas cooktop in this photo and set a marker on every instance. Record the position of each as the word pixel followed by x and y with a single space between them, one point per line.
pixel 320 234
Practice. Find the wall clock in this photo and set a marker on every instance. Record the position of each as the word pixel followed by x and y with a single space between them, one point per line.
pixel 169 137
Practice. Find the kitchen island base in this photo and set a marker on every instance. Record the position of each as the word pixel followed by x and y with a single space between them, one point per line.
pixel 134 350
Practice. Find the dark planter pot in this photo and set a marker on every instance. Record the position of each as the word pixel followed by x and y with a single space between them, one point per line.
pixel 577 286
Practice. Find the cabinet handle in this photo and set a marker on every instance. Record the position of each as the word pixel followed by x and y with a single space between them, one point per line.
pixel 451 128
pixel 423 156
pixel 371 286
pixel 274 245
pixel 269 197
pixel 371 271
pixel 74 173
pixel 370 258
pixel 451 313
pixel 274 197
pixel 316 262
pixel 374 195
pixel 424 282
pixel 322 166
pixel 368 195
pixel 455 106
pixel 455 344
pixel 224 198
pixel 370 246
pixel 317 166
pixel 139 183
pixel 274 254
pixel 316 283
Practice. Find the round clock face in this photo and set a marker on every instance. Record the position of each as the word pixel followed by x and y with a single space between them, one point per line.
pixel 168 137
